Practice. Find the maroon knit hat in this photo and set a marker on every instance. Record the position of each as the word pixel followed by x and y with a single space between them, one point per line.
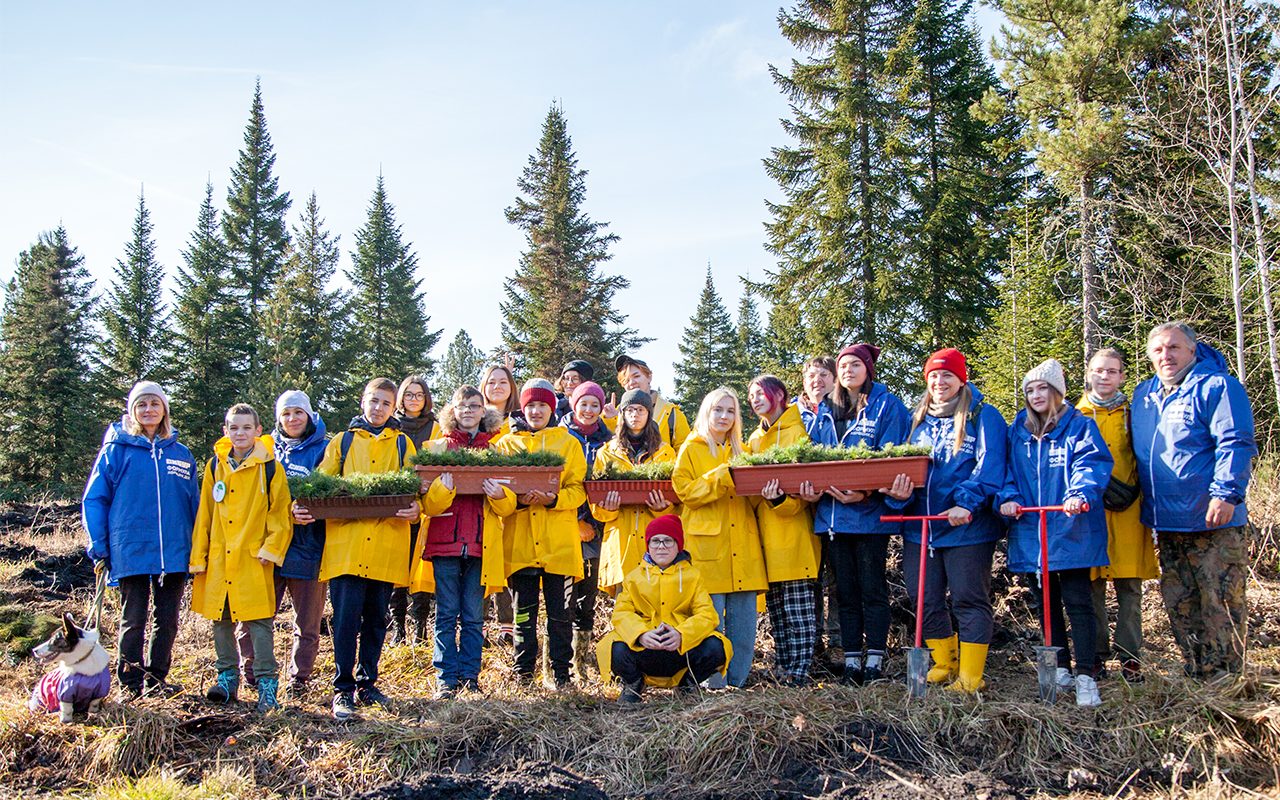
pixel 537 390
pixel 866 353
pixel 665 525
pixel 586 388
pixel 950 359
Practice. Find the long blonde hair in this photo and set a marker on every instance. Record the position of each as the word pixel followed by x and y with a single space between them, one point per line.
pixel 960 419
pixel 163 431
pixel 702 423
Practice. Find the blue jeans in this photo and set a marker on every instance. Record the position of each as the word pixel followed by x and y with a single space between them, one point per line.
pixel 737 612
pixel 359 613
pixel 459 619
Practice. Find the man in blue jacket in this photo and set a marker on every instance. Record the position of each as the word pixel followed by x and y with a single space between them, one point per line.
pixel 1193 436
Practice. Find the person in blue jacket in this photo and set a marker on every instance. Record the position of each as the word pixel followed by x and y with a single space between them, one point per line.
pixel 968 442
pixel 1057 457
pixel 300 440
pixel 859 412
pixel 1193 436
pixel 139 508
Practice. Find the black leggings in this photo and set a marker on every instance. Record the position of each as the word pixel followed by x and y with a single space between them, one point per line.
pixel 1073 588
pixel 858 561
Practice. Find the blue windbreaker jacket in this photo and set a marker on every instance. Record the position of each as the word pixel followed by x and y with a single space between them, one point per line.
pixel 1193 445
pixel 1072 460
pixel 883 422
pixel 969 479
pixel 301 457
pixel 140 503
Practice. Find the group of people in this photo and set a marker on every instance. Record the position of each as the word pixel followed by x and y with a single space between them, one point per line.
pixel 688 569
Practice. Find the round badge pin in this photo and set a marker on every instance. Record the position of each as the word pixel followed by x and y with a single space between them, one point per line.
pixel 219 491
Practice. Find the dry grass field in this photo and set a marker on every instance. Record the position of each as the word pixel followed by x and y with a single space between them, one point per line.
pixel 1165 738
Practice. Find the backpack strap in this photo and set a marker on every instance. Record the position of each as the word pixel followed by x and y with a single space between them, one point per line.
pixel 343 448
pixel 671 427
pixel 270 469
pixel 402 446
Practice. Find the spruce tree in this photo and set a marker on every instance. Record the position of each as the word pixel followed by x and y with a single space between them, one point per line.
pixel 133 316
pixel 389 323
pixel 708 351
pixel 207 319
pixel 256 234
pixel 460 366
pixel 750 353
pixel 835 231
pixel 48 431
pixel 305 337
pixel 559 305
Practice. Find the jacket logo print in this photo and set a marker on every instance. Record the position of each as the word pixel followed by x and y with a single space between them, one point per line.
pixel 181 469
pixel 1057 455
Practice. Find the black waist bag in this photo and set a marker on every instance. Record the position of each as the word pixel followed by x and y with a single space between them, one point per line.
pixel 1119 495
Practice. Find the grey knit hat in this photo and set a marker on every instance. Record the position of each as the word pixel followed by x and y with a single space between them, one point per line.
pixel 1049 371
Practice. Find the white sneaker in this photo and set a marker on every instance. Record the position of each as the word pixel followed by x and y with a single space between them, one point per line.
pixel 1087 691
pixel 1064 679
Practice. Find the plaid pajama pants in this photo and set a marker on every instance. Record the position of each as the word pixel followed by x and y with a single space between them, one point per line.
pixel 795 627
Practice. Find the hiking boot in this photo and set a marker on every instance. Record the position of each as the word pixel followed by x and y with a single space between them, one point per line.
pixel 1131 671
pixel 155 687
pixel 297 690
pixel 446 692
pixel 872 675
pixel 371 696
pixel 1087 691
pixel 267 701
pixel 630 695
pixel 470 685
pixel 225 687
pixel 128 694
pixel 344 705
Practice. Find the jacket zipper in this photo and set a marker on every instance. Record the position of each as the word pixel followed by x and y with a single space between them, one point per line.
pixel 1151 464
pixel 155 463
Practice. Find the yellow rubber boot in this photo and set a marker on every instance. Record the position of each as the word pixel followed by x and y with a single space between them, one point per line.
pixel 945 665
pixel 973 662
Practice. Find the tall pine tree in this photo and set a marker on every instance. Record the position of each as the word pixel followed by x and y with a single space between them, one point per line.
pixel 206 362
pixel 257 236
pixel 752 352
pixel 708 350
pixel 306 339
pixel 460 366
pixel 388 320
pixel 559 305
pixel 133 316
pixel 48 433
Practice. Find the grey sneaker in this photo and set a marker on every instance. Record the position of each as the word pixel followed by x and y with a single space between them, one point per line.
pixel 344 705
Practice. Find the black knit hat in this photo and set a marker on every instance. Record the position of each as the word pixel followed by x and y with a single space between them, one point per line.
pixel 636 397
pixel 581 367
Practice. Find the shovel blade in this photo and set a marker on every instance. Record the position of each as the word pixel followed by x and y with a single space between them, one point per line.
pixel 1047 673
pixel 918 663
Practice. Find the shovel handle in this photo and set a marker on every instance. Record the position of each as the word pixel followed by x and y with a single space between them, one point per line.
pixel 1039 509
pixel 899 518
pixel 1044 511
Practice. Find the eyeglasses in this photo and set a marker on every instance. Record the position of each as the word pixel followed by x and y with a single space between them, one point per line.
pixel 414 396
pixel 662 541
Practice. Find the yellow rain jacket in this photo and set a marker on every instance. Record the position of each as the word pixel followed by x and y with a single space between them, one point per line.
pixel 377 549
pixel 546 536
pixel 250 522
pixel 1129 544
pixel 672 424
pixel 622 545
pixel 791 551
pixel 650 596
pixel 720 531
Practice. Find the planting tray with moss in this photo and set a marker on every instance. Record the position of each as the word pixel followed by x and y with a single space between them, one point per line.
pixel 634 484
pixel 849 469
pixel 360 496
pixel 519 472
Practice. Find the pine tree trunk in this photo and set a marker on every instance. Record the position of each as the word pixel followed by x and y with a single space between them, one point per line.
pixel 1088 269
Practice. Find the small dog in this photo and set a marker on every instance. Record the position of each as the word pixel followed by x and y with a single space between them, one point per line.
pixel 82 677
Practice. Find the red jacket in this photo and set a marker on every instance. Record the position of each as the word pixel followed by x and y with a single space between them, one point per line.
pixel 461 532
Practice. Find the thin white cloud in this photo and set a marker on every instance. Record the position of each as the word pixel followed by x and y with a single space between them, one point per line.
pixel 728 46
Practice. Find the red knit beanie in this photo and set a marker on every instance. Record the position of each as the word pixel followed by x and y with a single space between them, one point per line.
pixel 537 390
pixel 586 388
pixel 666 525
pixel 950 359
pixel 866 353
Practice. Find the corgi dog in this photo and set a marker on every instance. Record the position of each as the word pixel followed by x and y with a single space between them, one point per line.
pixel 81 678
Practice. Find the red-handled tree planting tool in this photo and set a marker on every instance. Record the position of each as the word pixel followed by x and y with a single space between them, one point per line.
pixel 1046 656
pixel 918 656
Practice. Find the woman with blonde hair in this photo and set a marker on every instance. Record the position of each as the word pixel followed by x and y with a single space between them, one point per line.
pixel 722 536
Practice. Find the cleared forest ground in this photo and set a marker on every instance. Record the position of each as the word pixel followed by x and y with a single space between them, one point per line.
pixel 1167 737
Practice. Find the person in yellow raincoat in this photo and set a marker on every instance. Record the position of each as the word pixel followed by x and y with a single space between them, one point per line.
pixel 664 623
pixel 791 552
pixel 241 535
pixel 364 558
pixel 671 421
pixel 636 442
pixel 1130 547
pixel 720 527
pixel 541 546
pixel 461 554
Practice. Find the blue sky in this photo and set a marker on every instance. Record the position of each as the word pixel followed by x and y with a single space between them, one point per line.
pixel 670 106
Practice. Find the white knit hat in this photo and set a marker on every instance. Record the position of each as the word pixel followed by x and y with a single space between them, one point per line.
pixel 146 387
pixel 1049 371
pixel 293 398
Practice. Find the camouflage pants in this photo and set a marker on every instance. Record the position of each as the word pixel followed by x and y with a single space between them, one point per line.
pixel 1203 583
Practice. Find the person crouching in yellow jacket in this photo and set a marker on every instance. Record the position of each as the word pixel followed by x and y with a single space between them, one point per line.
pixel 636 442
pixel 364 559
pixel 1130 548
pixel 664 623
pixel 241 534
pixel 722 537
pixel 541 546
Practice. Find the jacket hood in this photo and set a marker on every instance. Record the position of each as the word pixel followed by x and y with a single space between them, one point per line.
pixel 491 421
pixel 977 397
pixel 116 434
pixel 682 557
pixel 263 449
pixel 282 441
pixel 1209 361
